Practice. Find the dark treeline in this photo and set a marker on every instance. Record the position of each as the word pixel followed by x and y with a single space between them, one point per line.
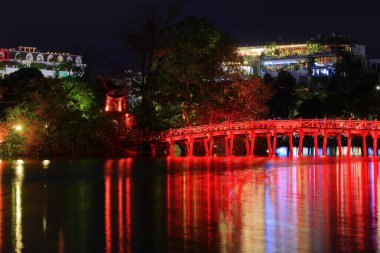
pixel 348 94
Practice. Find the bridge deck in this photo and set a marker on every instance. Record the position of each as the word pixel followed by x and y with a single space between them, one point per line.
pixel 268 128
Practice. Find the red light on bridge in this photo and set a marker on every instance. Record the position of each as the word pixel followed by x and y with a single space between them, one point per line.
pixel 273 128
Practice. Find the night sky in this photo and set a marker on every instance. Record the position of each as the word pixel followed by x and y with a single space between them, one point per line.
pixel 92 27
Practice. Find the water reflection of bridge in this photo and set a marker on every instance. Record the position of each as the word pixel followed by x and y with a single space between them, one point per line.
pixel 270 129
pixel 298 205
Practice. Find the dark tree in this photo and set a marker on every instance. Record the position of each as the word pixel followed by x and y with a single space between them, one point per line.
pixel 200 60
pixel 283 103
pixel 146 37
pixel 312 108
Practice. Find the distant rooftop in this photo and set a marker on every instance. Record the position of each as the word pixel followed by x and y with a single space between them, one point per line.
pixel 29 49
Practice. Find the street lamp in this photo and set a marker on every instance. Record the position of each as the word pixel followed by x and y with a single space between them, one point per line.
pixel 18 127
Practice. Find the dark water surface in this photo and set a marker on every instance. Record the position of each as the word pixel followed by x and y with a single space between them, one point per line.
pixel 191 205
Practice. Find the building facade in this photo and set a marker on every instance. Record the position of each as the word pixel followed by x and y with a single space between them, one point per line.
pixel 116 103
pixel 317 57
pixel 374 65
pixel 51 64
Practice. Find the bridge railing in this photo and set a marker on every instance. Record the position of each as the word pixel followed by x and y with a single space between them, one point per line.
pixel 297 124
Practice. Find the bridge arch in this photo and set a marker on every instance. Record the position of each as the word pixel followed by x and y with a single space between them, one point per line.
pixel 270 129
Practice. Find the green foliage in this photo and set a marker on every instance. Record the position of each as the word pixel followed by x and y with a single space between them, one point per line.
pixel 12 145
pixel 59 117
pixel 11 64
pixel 80 97
pixel 192 72
pixel 270 49
pixel 313 47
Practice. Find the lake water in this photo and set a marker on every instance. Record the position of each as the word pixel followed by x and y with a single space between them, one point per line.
pixel 308 204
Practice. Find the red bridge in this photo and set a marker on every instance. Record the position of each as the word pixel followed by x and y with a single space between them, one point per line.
pixel 249 130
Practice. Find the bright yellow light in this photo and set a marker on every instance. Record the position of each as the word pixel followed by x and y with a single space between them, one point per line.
pixel 44 224
pixel 45 164
pixel 18 127
pixel 19 162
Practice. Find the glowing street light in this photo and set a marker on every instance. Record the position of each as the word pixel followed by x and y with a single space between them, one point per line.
pixel 45 164
pixel 377 87
pixel 18 127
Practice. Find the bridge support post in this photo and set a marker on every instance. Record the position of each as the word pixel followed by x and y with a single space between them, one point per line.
pixel 349 141
pixel 274 144
pixel 227 150
pixel 205 144
pixel 191 147
pixel 171 148
pixel 153 150
pixel 374 146
pixel 290 137
pixel 246 140
pixel 269 145
pixel 364 143
pixel 300 145
pixel 339 137
pixel 324 144
pixel 252 148
pixel 232 137
pixel 211 147
pixel 187 148
pixel 315 145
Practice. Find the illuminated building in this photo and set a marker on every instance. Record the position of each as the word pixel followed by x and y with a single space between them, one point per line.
pixel 116 102
pixel 119 99
pixel 316 57
pixel 51 64
pixel 116 95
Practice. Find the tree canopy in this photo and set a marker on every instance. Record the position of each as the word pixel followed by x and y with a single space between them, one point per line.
pixel 194 70
pixel 199 62
pixel 56 117
pixel 283 103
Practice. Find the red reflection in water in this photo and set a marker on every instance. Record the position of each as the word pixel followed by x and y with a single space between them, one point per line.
pixel 121 214
pixel 122 206
pixel 107 206
pixel 208 180
pixel 168 199
pixel 259 205
pixel 187 200
pixel 128 212
pixel 1 205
